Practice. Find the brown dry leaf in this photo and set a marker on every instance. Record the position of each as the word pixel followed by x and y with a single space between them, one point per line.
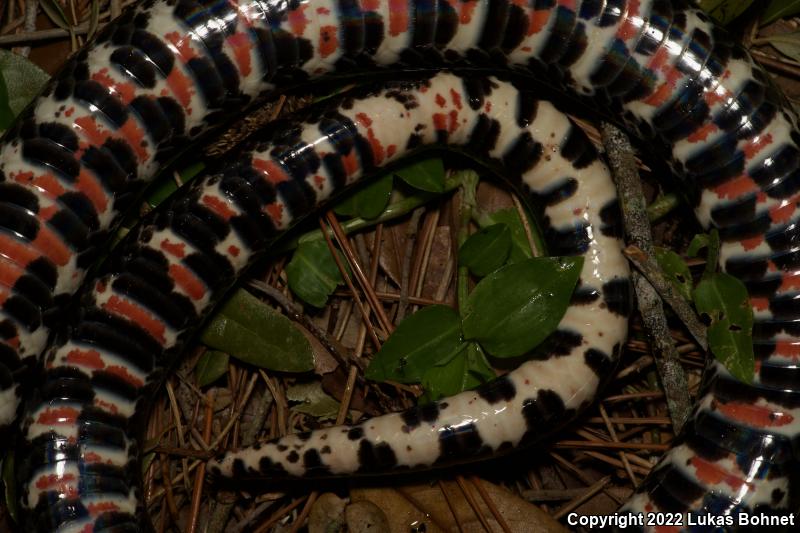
pixel 324 362
pixel 416 504
pixel 441 252
pixel 392 249
pixel 327 514
pixel 365 517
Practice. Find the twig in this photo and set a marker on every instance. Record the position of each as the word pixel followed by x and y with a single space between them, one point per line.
pixel 611 445
pixel 650 269
pixel 201 470
pixel 591 491
pixel 473 503
pixel 634 211
pixel 490 504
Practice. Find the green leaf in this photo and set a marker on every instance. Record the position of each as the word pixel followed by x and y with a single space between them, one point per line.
pixel 699 241
pixel 487 250
pixel 725 301
pixel 724 11
pixel 712 243
pixel 211 366
pixel 22 80
pixel 778 9
pixel 313 400
pixel 253 332
pixel 513 309
pixel 427 175
pixel 675 270
pixel 166 184
pixel 312 272
pixel 786 43
pixel 467 370
pixel 369 201
pixel 10 485
pixel 54 12
pixel 429 336
pixel 520 247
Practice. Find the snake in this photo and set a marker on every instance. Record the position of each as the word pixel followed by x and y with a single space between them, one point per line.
pixel 167 72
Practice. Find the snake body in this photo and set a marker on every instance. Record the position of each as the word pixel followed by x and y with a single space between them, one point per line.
pixel 166 72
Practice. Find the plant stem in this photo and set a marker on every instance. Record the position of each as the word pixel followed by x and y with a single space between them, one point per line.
pixel 469 184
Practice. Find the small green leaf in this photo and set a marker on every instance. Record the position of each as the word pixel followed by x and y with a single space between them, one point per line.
pixel 211 366
pixel 725 301
pixel 724 11
pixel 313 400
pixel 467 370
pixel 516 307
pixel 430 335
pixel 712 243
pixel 22 81
pixel 253 332
pixel 10 485
pixel 312 272
pixel 699 242
pixel 369 201
pixel 54 12
pixel 487 250
pixel 778 9
pixel 786 43
pixel 427 175
pixel 520 247
pixel 166 184
pixel 675 270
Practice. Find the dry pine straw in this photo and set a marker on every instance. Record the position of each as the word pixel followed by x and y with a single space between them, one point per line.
pixel 590 467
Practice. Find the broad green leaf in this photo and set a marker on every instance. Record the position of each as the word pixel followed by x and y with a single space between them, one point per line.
pixel 166 184
pixel 211 366
pixel 23 80
pixel 724 11
pixel 369 201
pixel 10 486
pixel 253 332
pixel 468 369
pixel 312 272
pixel 786 43
pixel 675 270
pixel 516 307
pixel 313 400
pixel 427 175
pixel 725 301
pixel 430 335
pixel 778 9
pixel 54 12
pixel 520 247
pixel 487 250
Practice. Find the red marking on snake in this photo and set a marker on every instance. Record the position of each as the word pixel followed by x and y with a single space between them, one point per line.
pixel 52 246
pixel 9 273
pixel 364 119
pixel 270 170
pixel 91 130
pixel 350 162
pixel 319 181
pixel 374 142
pixel 58 416
pixel 122 372
pixel 752 148
pixel 702 133
pixel 46 183
pixel 488 107
pixel 55 481
pixel 92 457
pixel 391 150
pixel 68 113
pixel 755 415
pixel 453 121
pixel 752 243
pixel 125 91
pixel 736 187
pixel 538 20
pixel 187 281
pixel 4 294
pixel 326 11
pixel 182 87
pixel 88 184
pixel 759 304
pixel 131 132
pixel 106 406
pixel 790 281
pixel 234 250
pixel 102 507
pixel 714 474
pixel 456 98
pixel 370 5
pixel 178 249
pixel 218 206
pixel 328 40
pixel 298 21
pixel 784 211
pixel 398 17
pixel 440 101
pixel 86 358
pixel 137 315
pixel 182 45
pixel 47 212
pixel 275 211
pixel 22 254
pixel 788 349
pixel 241 46
pixel 440 121
pixel 630 28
